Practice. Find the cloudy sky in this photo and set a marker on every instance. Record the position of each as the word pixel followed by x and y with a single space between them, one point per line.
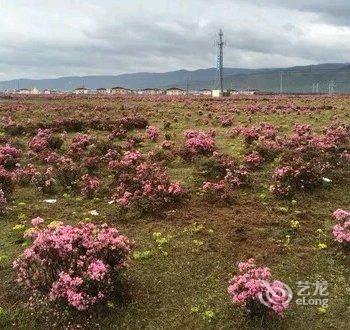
pixel 54 38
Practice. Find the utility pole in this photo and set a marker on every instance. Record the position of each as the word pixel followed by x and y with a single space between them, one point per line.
pixel 281 82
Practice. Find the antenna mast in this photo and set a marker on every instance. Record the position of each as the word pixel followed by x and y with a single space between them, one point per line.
pixel 220 63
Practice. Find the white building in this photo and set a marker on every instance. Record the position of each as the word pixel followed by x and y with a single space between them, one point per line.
pixel 205 92
pixel 175 91
pixel 150 91
pixel 23 91
pixel 102 90
pixel 120 90
pixel 218 93
pixel 81 90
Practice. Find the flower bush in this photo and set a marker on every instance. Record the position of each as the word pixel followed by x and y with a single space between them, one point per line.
pixel 153 132
pixel 3 202
pixel 198 144
pixel 79 143
pixel 224 189
pixel 341 231
pixel 45 181
pixel 298 174
pixel 24 175
pixel 223 176
pixel 7 180
pixel 255 132
pixel 75 265
pixel 254 290
pixel 40 141
pixel 89 186
pixel 9 156
pixel 142 185
pixel 167 144
pixel 253 159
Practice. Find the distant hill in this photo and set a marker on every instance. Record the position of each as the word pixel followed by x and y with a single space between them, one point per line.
pixel 295 79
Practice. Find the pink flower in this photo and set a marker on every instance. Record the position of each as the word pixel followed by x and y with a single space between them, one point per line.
pixel 37 221
pixel 340 214
pixel 166 144
pixel 175 188
pixel 253 282
pixel 153 132
pixel 341 231
pixel 76 265
pixel 97 270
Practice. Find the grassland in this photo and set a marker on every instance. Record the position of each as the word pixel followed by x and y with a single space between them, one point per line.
pixel 186 288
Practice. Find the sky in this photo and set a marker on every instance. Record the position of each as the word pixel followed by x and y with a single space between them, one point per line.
pixel 47 39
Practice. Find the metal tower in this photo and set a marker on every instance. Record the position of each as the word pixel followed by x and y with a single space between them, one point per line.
pixel 220 60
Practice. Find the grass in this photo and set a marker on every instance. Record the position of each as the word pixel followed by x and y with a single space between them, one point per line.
pixel 183 284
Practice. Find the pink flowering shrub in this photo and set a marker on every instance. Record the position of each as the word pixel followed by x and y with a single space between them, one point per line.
pixel 79 143
pixel 253 286
pixel 66 170
pixel 269 149
pixel 89 186
pixel 7 180
pixel 224 189
pixel 78 265
pixel 153 132
pixel 9 156
pixel 24 175
pixel 198 144
pixel 255 132
pixel 142 185
pixel 341 231
pixel 40 141
pixel 226 121
pixel 119 132
pixel 3 202
pixel 253 159
pixel 167 144
pixel 345 156
pixel 37 221
pixel 45 181
pixel 44 140
pixel 302 129
pixel 334 138
pixel 298 174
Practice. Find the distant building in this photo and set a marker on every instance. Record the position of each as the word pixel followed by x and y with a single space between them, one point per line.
pixel 46 91
pixel 175 91
pixel 218 93
pixel 81 90
pixel 101 90
pixel 245 92
pixel 23 91
pixel 120 90
pixel 150 91
pixel 204 91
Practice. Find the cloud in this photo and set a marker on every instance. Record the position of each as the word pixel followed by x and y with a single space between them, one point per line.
pixel 335 12
pixel 76 37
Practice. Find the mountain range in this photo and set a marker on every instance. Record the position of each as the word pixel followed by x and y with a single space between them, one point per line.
pixel 292 79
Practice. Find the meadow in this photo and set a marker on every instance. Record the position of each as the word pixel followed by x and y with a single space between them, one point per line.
pixel 194 186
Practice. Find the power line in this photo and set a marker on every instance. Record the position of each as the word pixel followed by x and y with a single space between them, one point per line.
pixel 331 86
